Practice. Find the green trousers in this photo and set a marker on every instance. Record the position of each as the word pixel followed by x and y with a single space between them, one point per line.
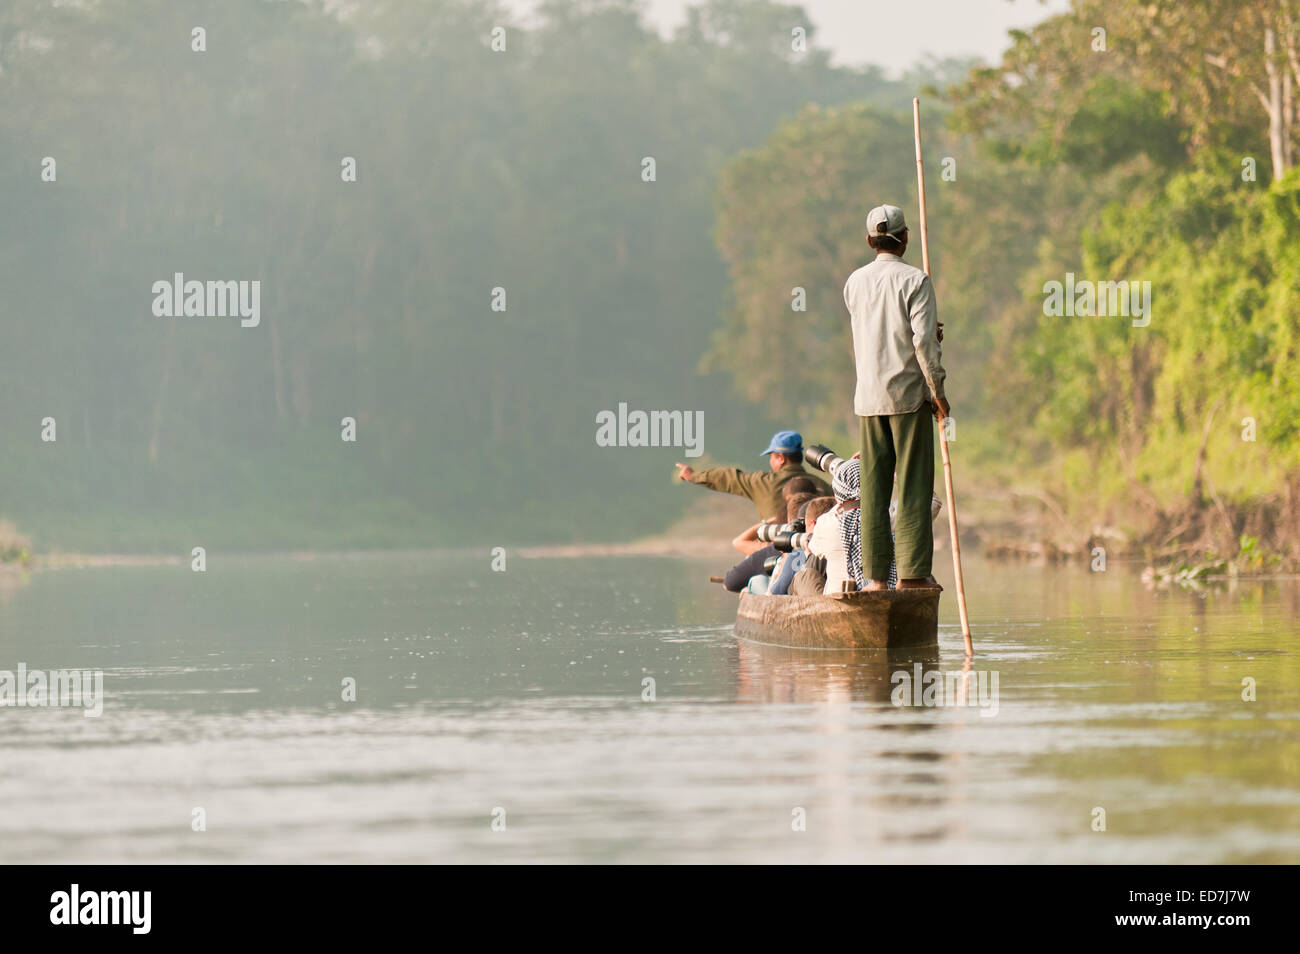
pixel 902 444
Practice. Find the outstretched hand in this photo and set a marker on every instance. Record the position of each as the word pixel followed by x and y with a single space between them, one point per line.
pixel 684 471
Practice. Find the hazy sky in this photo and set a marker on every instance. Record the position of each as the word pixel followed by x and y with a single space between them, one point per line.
pixel 896 34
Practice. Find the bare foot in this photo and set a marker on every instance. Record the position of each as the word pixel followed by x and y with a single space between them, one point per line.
pixel 873 585
pixel 919 583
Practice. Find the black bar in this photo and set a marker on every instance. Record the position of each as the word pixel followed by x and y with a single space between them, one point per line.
pixel 330 904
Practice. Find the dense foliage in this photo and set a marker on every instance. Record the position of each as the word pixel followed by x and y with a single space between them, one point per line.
pixel 477 169
pixel 1119 156
pixel 1155 153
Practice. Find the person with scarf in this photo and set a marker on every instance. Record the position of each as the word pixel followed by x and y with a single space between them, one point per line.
pixel 837 534
pixel 842 529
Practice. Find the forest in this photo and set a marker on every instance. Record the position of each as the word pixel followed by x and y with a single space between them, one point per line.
pixel 1149 144
pixel 459 251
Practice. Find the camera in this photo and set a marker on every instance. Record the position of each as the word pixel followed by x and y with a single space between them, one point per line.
pixel 785 542
pixel 769 532
pixel 822 457
pixel 785 536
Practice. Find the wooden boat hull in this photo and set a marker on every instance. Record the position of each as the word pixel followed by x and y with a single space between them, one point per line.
pixel 880 619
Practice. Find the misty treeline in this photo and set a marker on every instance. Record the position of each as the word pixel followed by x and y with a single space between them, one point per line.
pixel 1123 141
pixel 518 169
pixel 1158 151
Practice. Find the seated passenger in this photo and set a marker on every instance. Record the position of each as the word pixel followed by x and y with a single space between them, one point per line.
pixel 738 577
pixel 810 580
pixel 816 507
pixel 784 571
pixel 828 539
pixel 839 539
pixel 747 542
pixel 789 563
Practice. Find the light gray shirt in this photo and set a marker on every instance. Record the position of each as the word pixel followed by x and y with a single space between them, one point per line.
pixel 895 337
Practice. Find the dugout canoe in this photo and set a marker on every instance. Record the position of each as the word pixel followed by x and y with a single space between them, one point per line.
pixel 875 619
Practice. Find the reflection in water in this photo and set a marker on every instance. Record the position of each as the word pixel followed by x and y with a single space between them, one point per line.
pixel 524 689
pixel 905 775
pixel 12 579
pixel 766 673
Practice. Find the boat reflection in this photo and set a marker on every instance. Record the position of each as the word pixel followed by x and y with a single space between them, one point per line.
pixel 768 673
pixel 875 777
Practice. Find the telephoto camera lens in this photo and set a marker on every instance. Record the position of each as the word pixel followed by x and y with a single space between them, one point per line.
pixel 771 532
pixel 767 532
pixel 821 456
pixel 785 542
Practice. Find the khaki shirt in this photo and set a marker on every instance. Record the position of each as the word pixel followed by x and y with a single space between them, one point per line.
pixel 895 337
pixel 761 486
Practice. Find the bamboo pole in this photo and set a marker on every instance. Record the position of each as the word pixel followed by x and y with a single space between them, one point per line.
pixel 943 440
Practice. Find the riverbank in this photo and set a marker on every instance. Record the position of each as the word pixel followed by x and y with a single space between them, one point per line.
pixel 1020 524
pixel 1176 544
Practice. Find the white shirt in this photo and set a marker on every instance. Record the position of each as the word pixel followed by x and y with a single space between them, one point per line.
pixel 895 337
pixel 827 542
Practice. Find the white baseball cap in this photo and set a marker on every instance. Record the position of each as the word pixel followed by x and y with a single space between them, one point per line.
pixel 886 220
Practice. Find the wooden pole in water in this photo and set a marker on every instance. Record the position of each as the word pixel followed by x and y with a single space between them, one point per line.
pixel 943 440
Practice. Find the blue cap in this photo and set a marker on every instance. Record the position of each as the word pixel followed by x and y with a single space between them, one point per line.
pixel 784 442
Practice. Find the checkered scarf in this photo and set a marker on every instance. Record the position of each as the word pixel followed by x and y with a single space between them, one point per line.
pixel 847 484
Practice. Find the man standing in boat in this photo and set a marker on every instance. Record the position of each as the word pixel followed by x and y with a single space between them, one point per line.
pixel 785 458
pixel 896 335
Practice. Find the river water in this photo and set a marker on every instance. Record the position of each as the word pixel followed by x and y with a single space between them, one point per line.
pixel 507 717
